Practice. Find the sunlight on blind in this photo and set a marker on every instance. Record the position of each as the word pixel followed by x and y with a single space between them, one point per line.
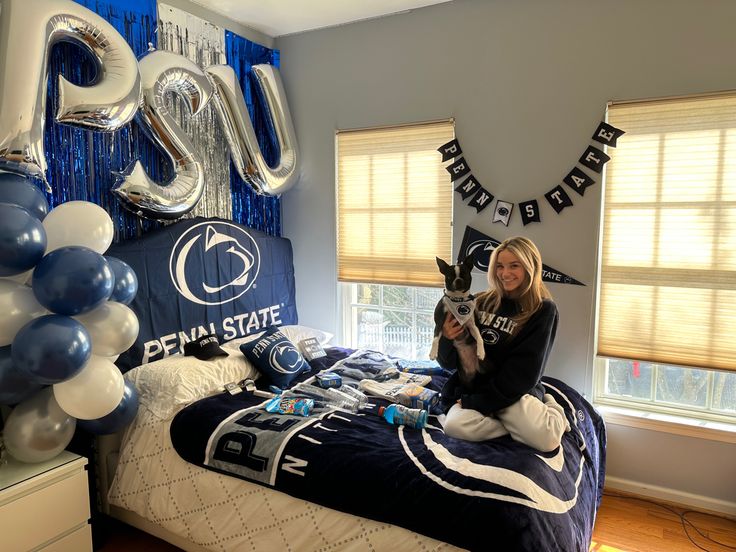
pixel 668 268
pixel 394 204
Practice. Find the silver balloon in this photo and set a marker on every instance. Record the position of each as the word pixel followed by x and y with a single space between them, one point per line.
pixel 244 148
pixel 161 73
pixel 38 429
pixel 28 30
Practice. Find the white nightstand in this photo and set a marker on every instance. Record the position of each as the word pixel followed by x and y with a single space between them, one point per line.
pixel 45 506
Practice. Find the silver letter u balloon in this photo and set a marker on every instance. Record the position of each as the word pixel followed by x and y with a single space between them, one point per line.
pixel 238 128
pixel 28 30
pixel 161 73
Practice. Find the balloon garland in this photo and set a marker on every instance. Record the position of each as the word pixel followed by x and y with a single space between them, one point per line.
pixel 66 320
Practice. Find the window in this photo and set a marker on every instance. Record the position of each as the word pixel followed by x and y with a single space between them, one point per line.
pixel 397 320
pixel 667 296
pixel 394 216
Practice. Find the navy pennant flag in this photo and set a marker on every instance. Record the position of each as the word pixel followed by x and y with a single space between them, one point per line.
pixel 578 180
pixel 480 246
pixel 468 187
pixel 481 200
pixel 458 169
pixel 607 134
pixel 450 149
pixel 594 159
pixel 529 211
pixel 503 212
pixel 558 199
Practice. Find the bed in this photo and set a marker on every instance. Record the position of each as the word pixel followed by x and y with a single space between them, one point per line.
pixel 208 470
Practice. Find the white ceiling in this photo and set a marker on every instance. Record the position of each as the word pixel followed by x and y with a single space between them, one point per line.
pixel 281 17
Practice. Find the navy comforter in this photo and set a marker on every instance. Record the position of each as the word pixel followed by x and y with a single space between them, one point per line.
pixel 496 495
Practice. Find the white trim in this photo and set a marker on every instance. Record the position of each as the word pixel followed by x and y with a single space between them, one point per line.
pixel 699 429
pixel 701 502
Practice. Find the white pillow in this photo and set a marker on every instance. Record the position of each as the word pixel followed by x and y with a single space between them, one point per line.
pixel 293 333
pixel 167 385
pixel 296 333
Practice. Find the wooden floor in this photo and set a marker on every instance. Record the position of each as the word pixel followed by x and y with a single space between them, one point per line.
pixel 624 524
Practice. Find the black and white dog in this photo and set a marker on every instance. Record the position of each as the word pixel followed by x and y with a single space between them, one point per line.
pixel 457 300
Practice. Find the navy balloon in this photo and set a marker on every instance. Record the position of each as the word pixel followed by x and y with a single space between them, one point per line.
pixel 126 282
pixel 15 386
pixel 116 420
pixel 22 240
pixel 19 190
pixel 51 348
pixel 72 280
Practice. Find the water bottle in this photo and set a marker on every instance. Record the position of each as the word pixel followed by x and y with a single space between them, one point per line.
pixel 353 392
pixel 330 395
pixel 398 414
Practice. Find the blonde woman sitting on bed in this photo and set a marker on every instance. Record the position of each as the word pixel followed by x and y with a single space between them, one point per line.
pixel 502 394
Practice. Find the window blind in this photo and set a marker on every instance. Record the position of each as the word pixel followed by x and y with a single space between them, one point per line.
pixel 394 204
pixel 668 257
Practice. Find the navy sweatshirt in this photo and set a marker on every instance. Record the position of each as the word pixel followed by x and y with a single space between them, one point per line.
pixel 514 362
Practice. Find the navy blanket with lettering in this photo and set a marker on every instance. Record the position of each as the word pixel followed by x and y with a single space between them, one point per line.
pixel 494 495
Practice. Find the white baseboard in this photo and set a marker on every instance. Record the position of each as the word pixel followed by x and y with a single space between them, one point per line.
pixel 672 495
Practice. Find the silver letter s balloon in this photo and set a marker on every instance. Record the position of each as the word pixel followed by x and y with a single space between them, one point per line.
pixel 244 149
pixel 161 73
pixel 27 32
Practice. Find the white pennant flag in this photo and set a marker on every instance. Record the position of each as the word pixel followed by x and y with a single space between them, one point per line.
pixel 503 212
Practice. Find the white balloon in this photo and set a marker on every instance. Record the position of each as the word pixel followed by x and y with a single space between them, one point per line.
pixel 94 392
pixel 78 223
pixel 18 306
pixel 37 429
pixel 112 326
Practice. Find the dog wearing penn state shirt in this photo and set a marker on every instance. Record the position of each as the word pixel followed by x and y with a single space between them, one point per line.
pixel 458 301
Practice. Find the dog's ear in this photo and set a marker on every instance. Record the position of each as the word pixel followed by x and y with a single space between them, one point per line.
pixel 444 267
pixel 469 261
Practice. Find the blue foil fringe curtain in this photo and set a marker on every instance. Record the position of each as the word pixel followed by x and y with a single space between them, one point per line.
pixel 82 163
pixel 249 208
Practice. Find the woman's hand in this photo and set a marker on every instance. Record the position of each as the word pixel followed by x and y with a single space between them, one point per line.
pixel 452 329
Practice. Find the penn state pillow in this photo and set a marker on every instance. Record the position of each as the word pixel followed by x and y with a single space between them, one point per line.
pixel 277 358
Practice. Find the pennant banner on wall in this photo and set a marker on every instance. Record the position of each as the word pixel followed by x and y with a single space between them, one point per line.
pixel 593 159
pixel 481 246
pixel 503 212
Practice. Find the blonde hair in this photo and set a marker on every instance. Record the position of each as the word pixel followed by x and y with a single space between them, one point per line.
pixel 532 291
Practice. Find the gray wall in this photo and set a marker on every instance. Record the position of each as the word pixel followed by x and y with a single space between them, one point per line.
pixel 527 83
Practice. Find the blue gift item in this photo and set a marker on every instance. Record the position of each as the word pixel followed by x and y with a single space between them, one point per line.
pixel 428 367
pixel 299 406
pixel 398 414
pixel 328 379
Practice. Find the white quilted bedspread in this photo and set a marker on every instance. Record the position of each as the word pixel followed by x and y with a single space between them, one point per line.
pixel 223 513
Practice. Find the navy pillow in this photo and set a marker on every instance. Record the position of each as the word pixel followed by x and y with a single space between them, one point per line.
pixel 275 356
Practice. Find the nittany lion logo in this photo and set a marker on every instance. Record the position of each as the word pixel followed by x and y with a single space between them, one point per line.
pixel 284 358
pixel 206 249
pixel 481 251
pixel 489 336
pixel 464 310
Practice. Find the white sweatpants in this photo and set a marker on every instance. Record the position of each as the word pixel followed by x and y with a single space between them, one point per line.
pixel 538 424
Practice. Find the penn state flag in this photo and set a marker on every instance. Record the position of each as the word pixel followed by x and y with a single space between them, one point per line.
pixel 558 199
pixel 481 200
pixel 205 276
pixel 594 159
pixel 578 180
pixel 529 211
pixel 450 149
pixel 480 246
pixel 468 187
pixel 607 134
pixel 458 169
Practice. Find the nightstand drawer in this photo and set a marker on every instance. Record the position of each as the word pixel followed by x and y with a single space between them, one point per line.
pixel 78 541
pixel 44 513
